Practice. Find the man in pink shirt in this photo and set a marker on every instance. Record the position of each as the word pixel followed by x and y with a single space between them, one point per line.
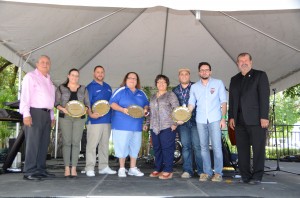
pixel 36 105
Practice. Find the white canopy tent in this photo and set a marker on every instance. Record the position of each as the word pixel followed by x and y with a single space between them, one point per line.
pixel 144 37
pixel 153 37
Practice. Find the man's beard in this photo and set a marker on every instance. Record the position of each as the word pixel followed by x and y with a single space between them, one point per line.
pixel 100 78
pixel 204 78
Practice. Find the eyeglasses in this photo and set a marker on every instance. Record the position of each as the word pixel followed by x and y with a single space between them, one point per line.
pixel 204 70
pixel 129 78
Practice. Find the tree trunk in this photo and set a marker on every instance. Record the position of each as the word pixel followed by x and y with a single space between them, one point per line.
pixel 13 80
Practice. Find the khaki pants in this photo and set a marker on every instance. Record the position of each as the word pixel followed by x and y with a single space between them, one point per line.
pixel 72 129
pixel 97 135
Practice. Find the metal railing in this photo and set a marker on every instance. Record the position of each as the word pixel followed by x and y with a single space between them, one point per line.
pixel 288 141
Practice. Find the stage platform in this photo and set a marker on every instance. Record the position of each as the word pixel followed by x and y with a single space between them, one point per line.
pixel 281 185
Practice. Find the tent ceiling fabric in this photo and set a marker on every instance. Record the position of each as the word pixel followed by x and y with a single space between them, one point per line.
pixel 150 41
pixel 211 5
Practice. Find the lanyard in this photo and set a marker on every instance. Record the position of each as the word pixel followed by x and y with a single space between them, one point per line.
pixel 184 93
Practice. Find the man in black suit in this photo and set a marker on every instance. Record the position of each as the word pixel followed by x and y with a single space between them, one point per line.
pixel 248 115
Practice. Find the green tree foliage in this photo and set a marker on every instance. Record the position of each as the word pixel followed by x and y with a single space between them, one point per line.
pixel 149 91
pixel 8 93
pixel 8 81
pixel 292 92
pixel 286 109
pixel 287 112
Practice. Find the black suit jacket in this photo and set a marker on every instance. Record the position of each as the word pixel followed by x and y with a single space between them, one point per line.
pixel 254 97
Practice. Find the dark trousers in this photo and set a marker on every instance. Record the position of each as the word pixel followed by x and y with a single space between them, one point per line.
pixel 164 147
pixel 37 139
pixel 245 137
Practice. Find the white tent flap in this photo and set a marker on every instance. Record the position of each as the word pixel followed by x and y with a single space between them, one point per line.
pixel 151 40
pixel 209 5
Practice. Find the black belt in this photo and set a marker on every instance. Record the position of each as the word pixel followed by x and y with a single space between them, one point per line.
pixel 43 109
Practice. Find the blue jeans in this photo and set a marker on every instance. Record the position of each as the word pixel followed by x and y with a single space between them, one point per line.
pixel 189 138
pixel 164 147
pixel 213 132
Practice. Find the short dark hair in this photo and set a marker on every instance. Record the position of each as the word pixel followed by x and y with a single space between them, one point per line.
pixel 204 63
pixel 244 54
pixel 138 82
pixel 98 66
pixel 161 76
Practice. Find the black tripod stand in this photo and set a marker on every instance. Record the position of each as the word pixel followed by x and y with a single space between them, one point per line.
pixel 276 145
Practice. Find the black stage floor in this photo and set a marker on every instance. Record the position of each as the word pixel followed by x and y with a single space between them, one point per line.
pixel 281 185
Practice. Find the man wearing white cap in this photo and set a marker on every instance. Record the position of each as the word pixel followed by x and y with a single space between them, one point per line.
pixel 188 131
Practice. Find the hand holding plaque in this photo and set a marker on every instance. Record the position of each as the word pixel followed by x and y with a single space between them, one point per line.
pixel 75 108
pixel 181 114
pixel 135 111
pixel 101 107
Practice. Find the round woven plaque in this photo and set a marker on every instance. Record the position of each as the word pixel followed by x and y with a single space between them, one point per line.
pixel 181 114
pixel 75 108
pixel 135 111
pixel 101 106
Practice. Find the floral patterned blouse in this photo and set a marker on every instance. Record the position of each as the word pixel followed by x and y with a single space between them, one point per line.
pixel 161 111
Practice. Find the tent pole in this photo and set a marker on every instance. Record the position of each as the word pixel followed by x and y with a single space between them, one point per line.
pixel 19 89
pixel 56 135
pixel 16 160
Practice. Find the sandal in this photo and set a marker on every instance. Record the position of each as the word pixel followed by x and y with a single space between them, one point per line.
pixel 155 174
pixel 67 172
pixel 73 172
pixel 166 175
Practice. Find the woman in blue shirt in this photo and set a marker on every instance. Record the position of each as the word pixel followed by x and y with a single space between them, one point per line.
pixel 127 131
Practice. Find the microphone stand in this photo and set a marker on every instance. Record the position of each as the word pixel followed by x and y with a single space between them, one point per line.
pixel 276 145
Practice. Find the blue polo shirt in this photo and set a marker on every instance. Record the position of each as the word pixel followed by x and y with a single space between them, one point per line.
pixel 99 92
pixel 208 100
pixel 124 97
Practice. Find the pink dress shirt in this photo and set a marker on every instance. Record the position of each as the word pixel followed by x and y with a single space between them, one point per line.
pixel 37 91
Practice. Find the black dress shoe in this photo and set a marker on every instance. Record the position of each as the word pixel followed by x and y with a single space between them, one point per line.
pixel 242 181
pixel 73 176
pixel 47 174
pixel 31 177
pixel 255 181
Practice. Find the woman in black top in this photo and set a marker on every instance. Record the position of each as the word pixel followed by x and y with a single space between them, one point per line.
pixel 71 127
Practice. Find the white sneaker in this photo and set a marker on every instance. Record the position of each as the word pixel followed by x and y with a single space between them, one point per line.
pixel 135 172
pixel 122 172
pixel 90 173
pixel 107 170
